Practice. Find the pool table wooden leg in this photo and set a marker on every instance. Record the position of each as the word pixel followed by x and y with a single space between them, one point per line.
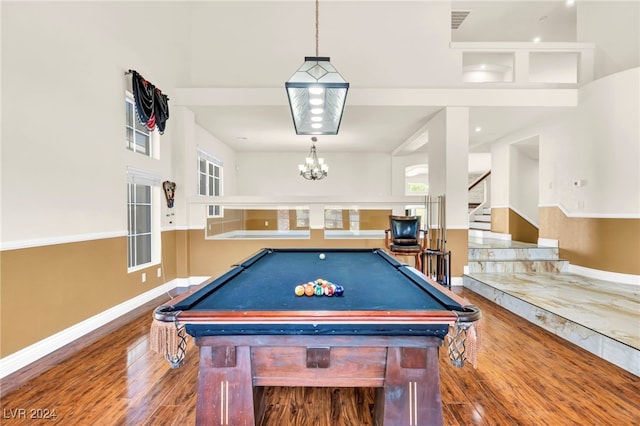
pixel 411 393
pixel 225 390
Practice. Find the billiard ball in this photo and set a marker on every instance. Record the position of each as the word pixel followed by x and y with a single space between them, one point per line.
pixel 299 290
pixel 321 256
pixel 309 290
pixel 319 291
pixel 339 290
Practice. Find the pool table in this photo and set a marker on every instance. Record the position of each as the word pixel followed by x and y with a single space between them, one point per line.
pixel 252 331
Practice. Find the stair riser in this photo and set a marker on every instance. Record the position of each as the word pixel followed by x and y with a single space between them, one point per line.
pixel 519 266
pixel 481 218
pixel 485 226
pixel 522 254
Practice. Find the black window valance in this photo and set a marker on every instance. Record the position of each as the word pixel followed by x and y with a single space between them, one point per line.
pixel 152 106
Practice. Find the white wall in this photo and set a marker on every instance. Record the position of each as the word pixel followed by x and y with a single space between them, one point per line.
pixel 190 138
pixel 399 164
pixel 63 154
pixel 601 145
pixel 523 191
pixel 449 162
pixel 606 23
pixel 457 147
pixel 437 153
pixel 598 143
pixel 276 174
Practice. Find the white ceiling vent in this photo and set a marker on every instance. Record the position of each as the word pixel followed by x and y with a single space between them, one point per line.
pixel 457 17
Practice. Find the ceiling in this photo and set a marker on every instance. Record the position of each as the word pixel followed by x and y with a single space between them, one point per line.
pixel 382 48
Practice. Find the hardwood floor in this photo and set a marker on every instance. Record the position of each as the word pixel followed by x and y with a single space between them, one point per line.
pixel 525 376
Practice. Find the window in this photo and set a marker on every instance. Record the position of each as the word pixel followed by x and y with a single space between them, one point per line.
pixel 302 218
pixel 138 136
pixel 416 179
pixel 210 181
pixel 354 220
pixel 333 219
pixel 139 203
pixel 283 219
pixel 143 229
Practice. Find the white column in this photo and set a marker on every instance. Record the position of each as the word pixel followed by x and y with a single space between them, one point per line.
pixel 449 162
pixel 457 167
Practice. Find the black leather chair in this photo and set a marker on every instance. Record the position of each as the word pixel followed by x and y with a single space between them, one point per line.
pixel 405 238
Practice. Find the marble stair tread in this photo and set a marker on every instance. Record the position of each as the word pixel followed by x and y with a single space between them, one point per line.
pixel 612 309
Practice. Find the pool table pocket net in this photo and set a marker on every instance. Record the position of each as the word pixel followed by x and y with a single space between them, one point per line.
pixel 170 340
pixel 463 343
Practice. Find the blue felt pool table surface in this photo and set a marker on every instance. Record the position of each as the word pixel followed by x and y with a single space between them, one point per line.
pixel 373 281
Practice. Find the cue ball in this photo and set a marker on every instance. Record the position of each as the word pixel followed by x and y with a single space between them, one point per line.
pixel 321 256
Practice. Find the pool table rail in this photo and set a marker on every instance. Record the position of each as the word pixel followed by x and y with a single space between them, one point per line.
pixel 164 313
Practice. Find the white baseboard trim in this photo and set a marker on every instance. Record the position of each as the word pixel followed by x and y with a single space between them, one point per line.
pixel 191 281
pixel 547 242
pixel 456 281
pixel 34 352
pixel 489 235
pixel 604 275
pixel 499 236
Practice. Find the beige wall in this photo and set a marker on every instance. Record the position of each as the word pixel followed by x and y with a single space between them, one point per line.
pixel 521 229
pixel 49 288
pixel 604 244
pixel 500 220
pixel 507 221
pixel 213 257
pixel 458 244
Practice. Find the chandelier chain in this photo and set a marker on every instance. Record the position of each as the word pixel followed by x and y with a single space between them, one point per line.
pixel 317 25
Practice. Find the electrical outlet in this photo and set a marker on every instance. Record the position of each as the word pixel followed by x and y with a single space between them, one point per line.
pixel 266 223
pixel 144 277
pixel 159 272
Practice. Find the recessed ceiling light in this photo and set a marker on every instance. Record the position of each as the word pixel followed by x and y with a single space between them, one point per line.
pixel 570 3
pixel 478 129
pixel 536 39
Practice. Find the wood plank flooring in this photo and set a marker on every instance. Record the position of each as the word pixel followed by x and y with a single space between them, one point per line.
pixel 525 376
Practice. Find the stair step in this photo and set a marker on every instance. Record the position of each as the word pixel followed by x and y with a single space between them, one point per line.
pixel 530 265
pixel 485 226
pixel 482 218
